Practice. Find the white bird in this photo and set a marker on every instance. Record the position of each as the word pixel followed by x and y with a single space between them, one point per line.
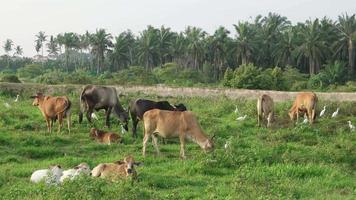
pixel 7 105
pixel 335 113
pixel 305 119
pixel 226 145
pixel 241 118
pixel 17 98
pixel 236 110
pixel 352 127
pixel 322 112
pixel 123 131
pixel 93 116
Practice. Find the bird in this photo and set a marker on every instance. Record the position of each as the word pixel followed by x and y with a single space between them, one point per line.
pixel 7 105
pixel 241 118
pixel 17 98
pixel 93 115
pixel 322 112
pixel 226 145
pixel 123 131
pixel 335 113
pixel 352 127
pixel 305 119
pixel 236 110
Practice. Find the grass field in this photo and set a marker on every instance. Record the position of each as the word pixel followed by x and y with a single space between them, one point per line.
pixel 285 162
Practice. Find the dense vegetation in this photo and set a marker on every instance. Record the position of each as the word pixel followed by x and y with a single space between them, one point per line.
pixel 285 162
pixel 319 53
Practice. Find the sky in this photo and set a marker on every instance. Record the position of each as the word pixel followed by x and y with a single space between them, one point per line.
pixel 21 20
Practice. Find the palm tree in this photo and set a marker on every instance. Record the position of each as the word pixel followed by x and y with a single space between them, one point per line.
pixel 41 38
pixel 38 47
pixel 69 41
pixel 165 40
pixel 52 47
pixel 18 50
pixel 100 42
pixel 313 46
pixel 284 48
pixel 219 49
pixel 195 37
pixel 121 52
pixel 7 48
pixel 245 42
pixel 179 49
pixel 148 48
pixel 347 28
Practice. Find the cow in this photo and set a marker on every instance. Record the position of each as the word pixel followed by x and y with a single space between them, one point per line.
pixel 101 97
pixel 117 170
pixel 265 109
pixel 51 175
pixel 104 137
pixel 173 124
pixel 305 102
pixel 53 108
pixel 71 174
pixel 138 107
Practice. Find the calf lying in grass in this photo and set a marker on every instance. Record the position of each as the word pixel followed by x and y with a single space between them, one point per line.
pixel 50 175
pixel 82 168
pixel 104 137
pixel 117 170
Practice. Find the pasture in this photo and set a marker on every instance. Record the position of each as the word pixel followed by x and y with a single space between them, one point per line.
pixel 286 161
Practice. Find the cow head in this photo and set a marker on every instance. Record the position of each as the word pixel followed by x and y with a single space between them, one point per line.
pixel 208 146
pixel 37 99
pixel 292 114
pixel 129 164
pixel 82 168
pixel 94 133
pixel 124 118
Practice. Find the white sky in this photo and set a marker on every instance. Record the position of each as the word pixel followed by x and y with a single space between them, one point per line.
pixel 21 20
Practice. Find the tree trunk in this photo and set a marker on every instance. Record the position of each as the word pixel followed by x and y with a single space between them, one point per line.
pixel 311 66
pixel 351 58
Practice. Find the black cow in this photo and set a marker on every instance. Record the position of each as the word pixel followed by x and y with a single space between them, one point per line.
pixel 138 107
pixel 100 97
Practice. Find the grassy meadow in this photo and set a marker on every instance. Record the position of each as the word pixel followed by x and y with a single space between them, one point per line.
pixel 286 161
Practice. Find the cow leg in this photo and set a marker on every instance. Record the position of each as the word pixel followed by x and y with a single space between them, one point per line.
pixel 145 139
pixel 68 120
pixel 154 141
pixel 134 126
pixel 60 121
pixel 310 116
pixel 107 121
pixel 88 114
pixel 182 146
pixel 48 125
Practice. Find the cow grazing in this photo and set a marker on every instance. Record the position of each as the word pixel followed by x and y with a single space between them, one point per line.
pixel 104 137
pixel 70 174
pixel 117 170
pixel 138 107
pixel 305 102
pixel 265 109
pixel 100 97
pixel 50 175
pixel 53 108
pixel 173 124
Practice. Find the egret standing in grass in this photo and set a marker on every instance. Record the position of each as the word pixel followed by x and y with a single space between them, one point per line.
pixel 335 113
pixel 7 105
pixel 352 127
pixel 322 112
pixel 305 119
pixel 93 116
pixel 236 110
pixel 241 118
pixel 17 98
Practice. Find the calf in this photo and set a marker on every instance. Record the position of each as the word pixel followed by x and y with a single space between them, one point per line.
pixel 305 102
pixel 82 168
pixel 265 109
pixel 138 107
pixel 173 124
pixel 53 108
pixel 50 175
pixel 104 137
pixel 117 170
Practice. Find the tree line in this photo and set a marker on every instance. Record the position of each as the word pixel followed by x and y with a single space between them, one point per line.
pixel 266 41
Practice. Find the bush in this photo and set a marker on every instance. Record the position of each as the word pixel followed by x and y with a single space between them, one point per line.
pixel 245 77
pixel 30 71
pixel 52 77
pixel 228 76
pixel 10 78
pixel 134 75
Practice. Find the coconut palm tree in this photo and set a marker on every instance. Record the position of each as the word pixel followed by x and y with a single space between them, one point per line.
pixel 18 51
pixel 347 27
pixel 219 49
pixel 245 42
pixel 121 52
pixel 52 47
pixel 69 41
pixel 100 42
pixel 41 38
pixel 195 37
pixel 283 51
pixel 165 40
pixel 8 48
pixel 148 47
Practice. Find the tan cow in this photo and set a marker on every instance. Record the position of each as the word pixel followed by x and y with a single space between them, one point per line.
pixel 173 124
pixel 305 102
pixel 104 137
pixel 116 170
pixel 53 108
pixel 265 107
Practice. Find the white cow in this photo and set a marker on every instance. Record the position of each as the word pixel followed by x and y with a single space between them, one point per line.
pixel 50 175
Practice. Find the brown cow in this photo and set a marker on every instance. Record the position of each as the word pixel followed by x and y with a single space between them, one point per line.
pixel 53 108
pixel 172 124
pixel 104 137
pixel 265 109
pixel 117 170
pixel 305 102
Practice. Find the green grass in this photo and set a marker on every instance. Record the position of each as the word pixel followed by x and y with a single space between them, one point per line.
pixel 285 162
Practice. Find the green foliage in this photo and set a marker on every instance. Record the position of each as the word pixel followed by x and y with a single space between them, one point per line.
pixel 134 75
pixel 228 76
pixel 245 76
pixel 52 77
pixel 10 78
pixel 30 71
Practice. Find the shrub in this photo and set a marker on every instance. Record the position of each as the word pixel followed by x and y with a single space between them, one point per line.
pixel 245 77
pixel 51 77
pixel 134 75
pixel 10 78
pixel 228 76
pixel 30 71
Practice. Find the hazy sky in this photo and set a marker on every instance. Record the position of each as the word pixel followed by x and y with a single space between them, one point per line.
pixel 21 20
